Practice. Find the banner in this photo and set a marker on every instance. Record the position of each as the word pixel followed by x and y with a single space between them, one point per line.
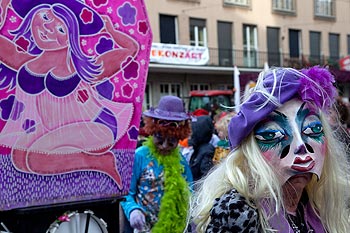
pixel 344 63
pixel 72 79
pixel 179 54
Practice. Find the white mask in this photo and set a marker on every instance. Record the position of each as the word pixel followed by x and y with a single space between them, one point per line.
pixel 292 140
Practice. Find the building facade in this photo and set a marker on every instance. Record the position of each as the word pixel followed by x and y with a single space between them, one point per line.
pixel 196 43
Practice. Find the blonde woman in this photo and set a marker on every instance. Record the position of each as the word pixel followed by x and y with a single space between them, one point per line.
pixel 287 172
pixel 222 147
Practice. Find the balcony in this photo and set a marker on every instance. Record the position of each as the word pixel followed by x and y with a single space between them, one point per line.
pixel 213 60
pixel 250 63
pixel 240 3
pixel 284 6
pixel 324 9
pixel 256 60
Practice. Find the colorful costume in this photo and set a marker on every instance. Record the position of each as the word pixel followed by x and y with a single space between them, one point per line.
pixel 160 186
pixel 286 171
pixel 147 185
pixel 232 213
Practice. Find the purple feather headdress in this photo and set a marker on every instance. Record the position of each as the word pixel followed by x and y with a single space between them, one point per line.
pixel 276 87
pixel 317 87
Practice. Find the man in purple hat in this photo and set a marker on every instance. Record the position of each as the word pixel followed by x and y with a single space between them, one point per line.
pixel 159 191
pixel 287 172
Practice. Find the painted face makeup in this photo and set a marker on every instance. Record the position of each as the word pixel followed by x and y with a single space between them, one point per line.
pixel 164 144
pixel 292 140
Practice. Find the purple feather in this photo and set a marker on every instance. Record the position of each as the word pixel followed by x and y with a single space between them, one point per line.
pixel 318 87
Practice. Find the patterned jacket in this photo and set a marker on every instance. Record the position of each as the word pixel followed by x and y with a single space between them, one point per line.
pixel 147 185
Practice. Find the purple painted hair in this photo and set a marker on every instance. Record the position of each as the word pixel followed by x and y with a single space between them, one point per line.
pixel 85 66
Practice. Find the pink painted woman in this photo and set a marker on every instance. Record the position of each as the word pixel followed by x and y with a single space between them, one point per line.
pixel 58 116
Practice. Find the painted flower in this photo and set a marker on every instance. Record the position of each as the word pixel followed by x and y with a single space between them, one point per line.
pixel 127 13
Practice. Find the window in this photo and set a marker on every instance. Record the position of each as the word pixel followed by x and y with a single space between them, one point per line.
pixel 198 1
pixel 198 32
pixel 250 45
pixel 273 46
pixel 170 89
pixel 283 5
pixel 294 43
pixel 168 29
pixel 238 2
pixel 199 87
pixel 333 47
pixel 324 8
pixel 315 47
pixel 147 98
pixel 225 43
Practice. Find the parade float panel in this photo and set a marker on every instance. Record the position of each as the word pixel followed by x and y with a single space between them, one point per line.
pixel 72 81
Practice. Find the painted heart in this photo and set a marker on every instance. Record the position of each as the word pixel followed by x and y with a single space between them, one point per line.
pixel 83 96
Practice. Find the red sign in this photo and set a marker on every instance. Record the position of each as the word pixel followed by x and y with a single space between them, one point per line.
pixel 344 63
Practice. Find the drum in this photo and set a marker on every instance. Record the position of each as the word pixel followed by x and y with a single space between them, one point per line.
pixel 75 222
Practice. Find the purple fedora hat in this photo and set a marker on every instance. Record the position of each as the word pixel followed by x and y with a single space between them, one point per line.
pixel 169 108
pixel 276 87
pixel 91 25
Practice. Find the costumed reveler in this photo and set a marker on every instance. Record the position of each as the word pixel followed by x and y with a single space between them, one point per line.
pixel 160 185
pixel 287 172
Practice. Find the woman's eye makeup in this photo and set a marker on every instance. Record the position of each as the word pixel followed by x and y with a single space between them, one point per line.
pixel 269 138
pixel 268 135
pixel 313 128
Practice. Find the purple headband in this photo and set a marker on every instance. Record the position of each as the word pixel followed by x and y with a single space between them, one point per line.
pixel 273 89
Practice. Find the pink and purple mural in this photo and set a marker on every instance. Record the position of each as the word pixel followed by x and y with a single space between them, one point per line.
pixel 72 79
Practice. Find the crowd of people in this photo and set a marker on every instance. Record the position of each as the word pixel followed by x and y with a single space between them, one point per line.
pixel 280 164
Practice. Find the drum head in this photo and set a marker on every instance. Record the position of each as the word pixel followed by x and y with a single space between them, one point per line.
pixel 78 222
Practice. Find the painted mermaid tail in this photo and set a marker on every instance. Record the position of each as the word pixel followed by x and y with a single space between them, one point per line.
pixel 48 164
pixel 76 147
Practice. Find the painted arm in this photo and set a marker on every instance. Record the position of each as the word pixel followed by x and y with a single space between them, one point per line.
pixel 111 61
pixel 10 53
pixel 3 11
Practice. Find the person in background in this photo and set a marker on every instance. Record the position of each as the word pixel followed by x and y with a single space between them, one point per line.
pixel 223 148
pixel 160 184
pixel 339 115
pixel 338 118
pixel 202 157
pixel 286 172
pixel 201 112
pixel 186 149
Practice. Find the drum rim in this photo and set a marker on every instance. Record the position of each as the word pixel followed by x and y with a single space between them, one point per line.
pixel 70 214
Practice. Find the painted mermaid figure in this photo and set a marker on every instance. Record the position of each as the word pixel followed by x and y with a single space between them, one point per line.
pixel 58 121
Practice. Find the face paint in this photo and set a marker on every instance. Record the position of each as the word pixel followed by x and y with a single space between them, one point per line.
pixel 292 140
pixel 164 144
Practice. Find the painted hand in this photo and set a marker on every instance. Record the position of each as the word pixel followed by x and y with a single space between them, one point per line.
pixel 3 10
pixel 137 219
pixel 108 23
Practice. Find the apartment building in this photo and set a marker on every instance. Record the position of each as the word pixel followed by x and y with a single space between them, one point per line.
pixel 196 43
